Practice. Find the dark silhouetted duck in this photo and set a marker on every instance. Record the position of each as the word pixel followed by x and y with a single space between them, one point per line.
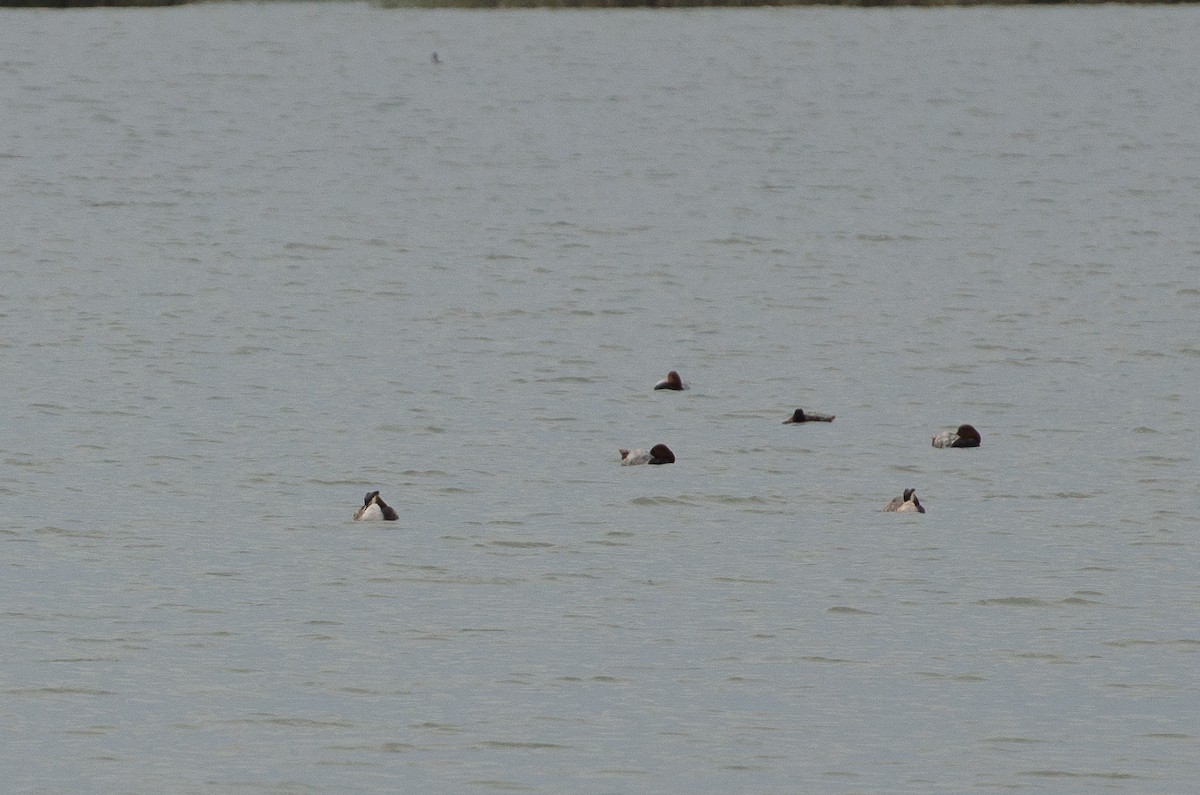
pixel 374 508
pixel 908 502
pixel 658 454
pixel 673 382
pixel 965 436
pixel 800 415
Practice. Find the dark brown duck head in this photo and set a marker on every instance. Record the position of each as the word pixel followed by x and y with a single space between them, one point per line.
pixel 672 381
pixel 661 454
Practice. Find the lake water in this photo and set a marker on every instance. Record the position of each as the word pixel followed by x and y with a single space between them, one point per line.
pixel 260 259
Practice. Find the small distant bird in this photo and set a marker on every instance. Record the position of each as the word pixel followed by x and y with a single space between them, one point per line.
pixel 965 436
pixel 801 415
pixel 672 381
pixel 658 454
pixel 434 59
pixel 908 502
pixel 374 509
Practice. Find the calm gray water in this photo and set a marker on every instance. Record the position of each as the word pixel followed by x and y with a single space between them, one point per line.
pixel 259 259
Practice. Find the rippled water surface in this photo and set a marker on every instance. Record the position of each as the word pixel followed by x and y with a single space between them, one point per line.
pixel 260 259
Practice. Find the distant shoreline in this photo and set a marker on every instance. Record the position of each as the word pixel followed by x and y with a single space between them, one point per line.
pixel 513 4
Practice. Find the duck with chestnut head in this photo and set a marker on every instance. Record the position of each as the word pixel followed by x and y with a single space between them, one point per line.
pixel 672 382
pixel 658 454
pixel 965 436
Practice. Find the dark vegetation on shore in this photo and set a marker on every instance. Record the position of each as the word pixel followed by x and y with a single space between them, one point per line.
pixel 610 3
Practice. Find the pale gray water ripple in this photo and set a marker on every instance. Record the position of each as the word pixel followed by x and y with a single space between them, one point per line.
pixel 247 281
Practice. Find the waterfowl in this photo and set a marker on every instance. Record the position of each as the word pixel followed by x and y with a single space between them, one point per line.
pixel 908 502
pixel 658 454
pixel 965 436
pixel 800 415
pixel 374 508
pixel 896 502
pixel 672 381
